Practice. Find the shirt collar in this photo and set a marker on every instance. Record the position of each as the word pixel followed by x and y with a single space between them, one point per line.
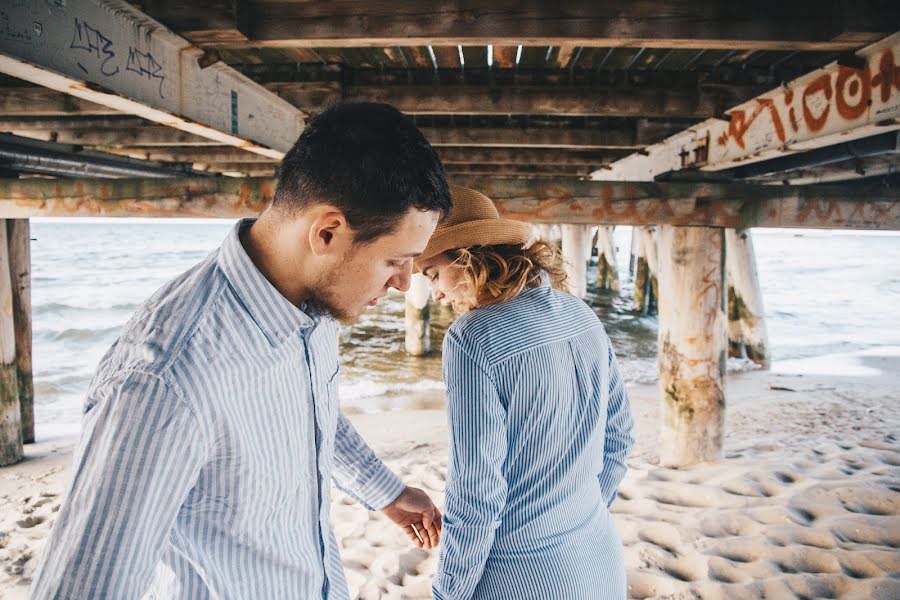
pixel 275 315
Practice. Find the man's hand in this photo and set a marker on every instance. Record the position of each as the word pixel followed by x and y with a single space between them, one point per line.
pixel 414 511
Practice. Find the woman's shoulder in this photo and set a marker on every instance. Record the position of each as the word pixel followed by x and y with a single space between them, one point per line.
pixel 535 317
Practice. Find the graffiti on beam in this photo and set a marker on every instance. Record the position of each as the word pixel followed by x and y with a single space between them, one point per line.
pixel 96 45
pixel 145 65
pixel 844 94
pixel 92 43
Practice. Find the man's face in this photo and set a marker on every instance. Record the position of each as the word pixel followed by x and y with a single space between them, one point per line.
pixel 367 271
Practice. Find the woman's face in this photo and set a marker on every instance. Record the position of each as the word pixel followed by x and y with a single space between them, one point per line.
pixel 448 283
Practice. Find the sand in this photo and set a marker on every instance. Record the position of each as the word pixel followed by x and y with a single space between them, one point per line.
pixel 805 502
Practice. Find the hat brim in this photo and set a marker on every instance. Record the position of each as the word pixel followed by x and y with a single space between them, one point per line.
pixel 484 232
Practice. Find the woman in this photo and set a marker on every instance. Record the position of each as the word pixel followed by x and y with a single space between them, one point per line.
pixel 539 421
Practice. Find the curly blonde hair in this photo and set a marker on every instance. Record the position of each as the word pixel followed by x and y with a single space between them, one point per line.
pixel 499 273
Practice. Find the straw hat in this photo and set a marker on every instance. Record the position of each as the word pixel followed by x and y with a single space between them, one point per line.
pixel 473 221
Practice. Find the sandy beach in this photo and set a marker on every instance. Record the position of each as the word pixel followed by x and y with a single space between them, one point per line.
pixel 804 504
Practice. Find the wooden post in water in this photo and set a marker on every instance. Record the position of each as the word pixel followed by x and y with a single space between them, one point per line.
pixel 10 417
pixel 576 243
pixel 607 269
pixel 418 317
pixel 747 333
pixel 692 342
pixel 646 286
pixel 18 232
pixel 635 248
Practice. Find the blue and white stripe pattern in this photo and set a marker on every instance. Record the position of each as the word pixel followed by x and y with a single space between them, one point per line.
pixel 540 427
pixel 210 437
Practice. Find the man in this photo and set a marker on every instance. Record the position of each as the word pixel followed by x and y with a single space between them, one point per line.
pixel 212 428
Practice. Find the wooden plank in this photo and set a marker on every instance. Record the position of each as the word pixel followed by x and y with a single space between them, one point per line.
pixel 131 137
pixel 525 156
pixel 43 102
pixel 796 25
pixel 215 21
pixel 109 53
pixel 606 101
pixel 557 200
pixel 624 137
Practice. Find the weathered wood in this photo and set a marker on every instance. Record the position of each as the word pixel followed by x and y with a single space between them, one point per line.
pixel 634 249
pixel 624 137
pixel 105 132
pixel 201 155
pixel 607 267
pixel 10 416
pixel 576 243
pixel 604 101
pixel 525 156
pixel 747 333
pixel 692 343
pixel 646 272
pixel 525 171
pixel 799 25
pixel 110 53
pixel 218 21
pixel 857 206
pixel 39 101
pixel 18 232
pixel 418 316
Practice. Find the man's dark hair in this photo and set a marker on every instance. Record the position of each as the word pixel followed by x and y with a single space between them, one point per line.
pixel 370 161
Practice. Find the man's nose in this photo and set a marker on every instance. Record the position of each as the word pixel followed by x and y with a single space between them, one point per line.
pixel 401 280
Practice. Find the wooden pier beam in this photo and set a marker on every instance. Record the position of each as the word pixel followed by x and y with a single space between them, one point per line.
pixel 607 267
pixel 692 343
pixel 747 333
pixel 576 242
pixel 418 317
pixel 10 417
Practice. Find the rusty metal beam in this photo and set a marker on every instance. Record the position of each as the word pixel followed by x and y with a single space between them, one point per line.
pixel 540 201
pixel 109 53
pixel 837 103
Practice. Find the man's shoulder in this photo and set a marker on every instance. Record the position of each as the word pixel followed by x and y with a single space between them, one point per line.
pixel 159 331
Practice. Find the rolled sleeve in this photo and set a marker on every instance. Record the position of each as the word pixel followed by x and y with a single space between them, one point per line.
pixel 359 472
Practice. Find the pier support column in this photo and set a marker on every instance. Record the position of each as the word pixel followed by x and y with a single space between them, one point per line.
pixel 10 417
pixel 418 317
pixel 576 243
pixel 633 252
pixel 747 334
pixel 646 286
pixel 607 269
pixel 692 344
pixel 18 233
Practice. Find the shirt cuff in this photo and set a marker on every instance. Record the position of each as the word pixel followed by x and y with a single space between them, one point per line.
pixel 382 488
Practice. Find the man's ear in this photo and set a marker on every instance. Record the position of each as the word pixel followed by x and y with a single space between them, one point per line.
pixel 329 231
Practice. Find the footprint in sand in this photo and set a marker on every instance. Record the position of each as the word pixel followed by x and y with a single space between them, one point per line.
pixel 30 521
pixel 663 535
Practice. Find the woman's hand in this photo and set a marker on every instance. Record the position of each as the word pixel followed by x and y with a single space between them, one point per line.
pixel 417 515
